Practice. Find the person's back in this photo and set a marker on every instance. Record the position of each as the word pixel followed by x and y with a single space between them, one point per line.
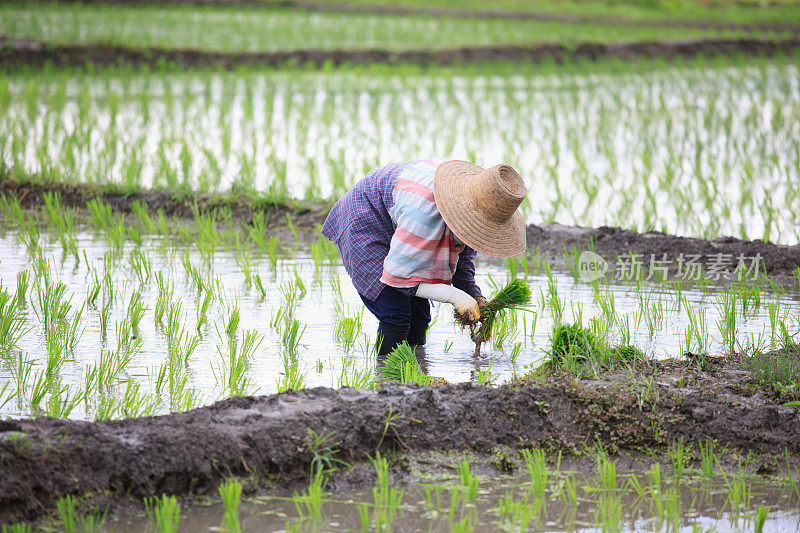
pixel 400 251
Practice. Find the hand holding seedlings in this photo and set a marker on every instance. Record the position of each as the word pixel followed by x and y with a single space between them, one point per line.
pixel 409 232
pixel 515 294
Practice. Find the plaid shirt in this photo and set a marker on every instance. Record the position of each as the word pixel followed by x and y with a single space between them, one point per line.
pixel 361 225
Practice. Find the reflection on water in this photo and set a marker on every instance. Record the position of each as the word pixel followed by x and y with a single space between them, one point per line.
pixel 295 325
pixel 697 150
pixel 699 505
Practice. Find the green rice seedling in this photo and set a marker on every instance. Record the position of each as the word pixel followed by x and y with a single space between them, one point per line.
pixel 66 511
pixel 448 345
pixel 292 227
pixel 6 394
pixel 273 246
pixel 608 513
pixel 136 310
pixel 202 310
pixel 353 377
pixel 387 499
pixel 164 513
pixel 515 295
pixel 677 458
pixel 707 458
pixel 726 323
pixel 672 508
pixel 105 316
pixel 469 481
pixel 12 322
pixel 181 346
pixel 739 491
pixel 257 281
pixel 166 291
pixel 486 377
pixel 291 335
pixel 634 485
pixel 18 527
pixel 141 264
pixel 93 292
pixel 134 404
pixel 401 365
pixel 23 280
pixel 11 208
pixel 515 353
pixel 347 328
pixel 568 490
pixel 292 378
pixel 141 211
pixel 536 465
pixel 790 477
pixel 63 223
pixel 233 371
pixel 516 515
pixel 299 283
pixel 20 370
pixel 607 472
pixel 232 322
pixel 654 474
pixel 309 504
pixel 231 494
pixel 61 402
pixel 433 498
pixel 696 336
pixel 504 331
pixel 174 319
pixel 243 261
pixel 760 519
pixel 102 215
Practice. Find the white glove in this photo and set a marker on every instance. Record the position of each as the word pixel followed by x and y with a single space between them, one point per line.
pixel 465 305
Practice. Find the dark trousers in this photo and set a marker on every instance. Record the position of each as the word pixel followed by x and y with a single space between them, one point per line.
pixel 402 318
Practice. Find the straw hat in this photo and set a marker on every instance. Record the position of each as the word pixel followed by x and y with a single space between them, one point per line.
pixel 481 206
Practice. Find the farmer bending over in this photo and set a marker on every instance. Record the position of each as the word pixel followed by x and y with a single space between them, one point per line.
pixel 408 233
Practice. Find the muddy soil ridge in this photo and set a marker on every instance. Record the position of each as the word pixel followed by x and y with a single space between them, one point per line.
pixel 264 438
pixel 552 240
pixel 15 53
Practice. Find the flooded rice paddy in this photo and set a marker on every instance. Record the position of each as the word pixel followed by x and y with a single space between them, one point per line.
pixel 639 500
pixel 700 149
pixel 154 326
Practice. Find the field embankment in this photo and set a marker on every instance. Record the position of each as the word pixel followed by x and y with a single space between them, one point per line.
pixel 265 438
pixel 22 52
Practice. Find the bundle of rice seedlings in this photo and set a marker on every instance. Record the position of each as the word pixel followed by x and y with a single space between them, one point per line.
pixel 571 340
pixel 573 347
pixel 401 365
pixel 516 293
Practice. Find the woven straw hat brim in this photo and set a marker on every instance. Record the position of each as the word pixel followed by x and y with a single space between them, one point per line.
pixel 465 217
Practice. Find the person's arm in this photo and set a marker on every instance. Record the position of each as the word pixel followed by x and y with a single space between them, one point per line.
pixel 465 305
pixel 464 276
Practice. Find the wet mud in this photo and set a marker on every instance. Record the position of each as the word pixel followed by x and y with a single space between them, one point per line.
pixel 264 439
pixel 556 242
pixel 16 53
